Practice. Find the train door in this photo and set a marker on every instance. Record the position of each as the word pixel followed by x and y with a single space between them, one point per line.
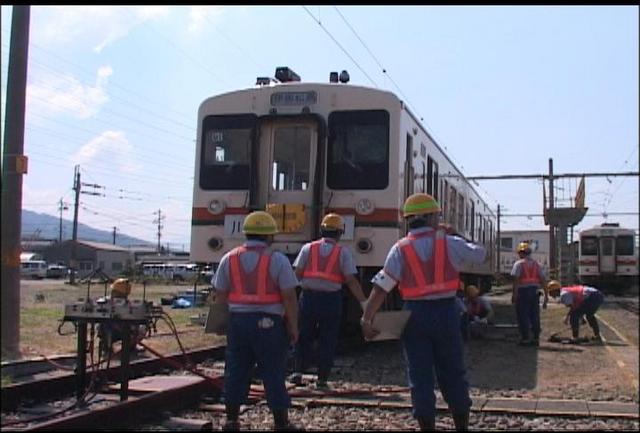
pixel 286 170
pixel 607 255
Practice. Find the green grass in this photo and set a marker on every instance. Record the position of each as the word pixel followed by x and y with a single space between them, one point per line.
pixel 42 308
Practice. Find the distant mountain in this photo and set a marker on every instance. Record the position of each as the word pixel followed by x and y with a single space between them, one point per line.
pixel 42 226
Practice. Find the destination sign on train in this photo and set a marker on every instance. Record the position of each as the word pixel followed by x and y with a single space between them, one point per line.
pixel 294 98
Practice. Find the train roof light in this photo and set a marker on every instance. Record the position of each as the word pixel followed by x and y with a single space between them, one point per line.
pixel 285 75
pixel 333 77
pixel 344 77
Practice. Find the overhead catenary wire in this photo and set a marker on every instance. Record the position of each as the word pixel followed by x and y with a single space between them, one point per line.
pixel 340 46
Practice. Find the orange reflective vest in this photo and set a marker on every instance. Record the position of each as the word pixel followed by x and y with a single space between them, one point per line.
pixel 435 276
pixel 327 268
pixel 578 295
pixel 257 286
pixel 475 308
pixel 529 274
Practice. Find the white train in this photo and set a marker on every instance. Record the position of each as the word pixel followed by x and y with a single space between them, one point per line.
pixel 302 150
pixel 608 257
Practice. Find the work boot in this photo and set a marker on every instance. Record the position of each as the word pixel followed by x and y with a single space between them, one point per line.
pixel 232 423
pixel 281 421
pixel 427 423
pixel 461 421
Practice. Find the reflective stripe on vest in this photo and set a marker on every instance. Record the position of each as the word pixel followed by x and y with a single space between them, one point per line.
pixel 435 276
pixel 326 268
pixel 578 295
pixel 529 274
pixel 257 286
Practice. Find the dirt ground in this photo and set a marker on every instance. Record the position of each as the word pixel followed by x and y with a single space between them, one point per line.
pixel 556 370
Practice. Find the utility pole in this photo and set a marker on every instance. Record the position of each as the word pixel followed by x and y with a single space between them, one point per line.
pixel 74 247
pixel 61 206
pixel 552 244
pixel 14 166
pixel 498 243
pixel 114 235
pixel 160 226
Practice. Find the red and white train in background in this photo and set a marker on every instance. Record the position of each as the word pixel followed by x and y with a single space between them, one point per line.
pixel 301 150
pixel 608 257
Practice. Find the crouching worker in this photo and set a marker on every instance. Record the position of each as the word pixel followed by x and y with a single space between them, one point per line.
pixel 479 311
pixel 112 332
pixel 582 301
pixel 259 286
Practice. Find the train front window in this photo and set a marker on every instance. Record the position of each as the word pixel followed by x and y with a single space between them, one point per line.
pixel 624 245
pixel 358 151
pixel 589 246
pixel 226 151
pixel 291 157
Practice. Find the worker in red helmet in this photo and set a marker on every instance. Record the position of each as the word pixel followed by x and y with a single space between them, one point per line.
pixel 582 301
pixel 425 265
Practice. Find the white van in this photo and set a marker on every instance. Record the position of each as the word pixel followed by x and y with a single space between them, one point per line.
pixel 33 269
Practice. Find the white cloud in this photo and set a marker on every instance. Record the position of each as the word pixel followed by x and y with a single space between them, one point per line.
pixel 57 94
pixel 112 147
pixel 98 26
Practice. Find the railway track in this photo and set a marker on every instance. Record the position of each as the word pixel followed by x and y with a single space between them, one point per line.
pixel 351 403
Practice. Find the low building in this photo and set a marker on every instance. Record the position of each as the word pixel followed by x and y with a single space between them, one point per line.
pixel 509 240
pixel 113 260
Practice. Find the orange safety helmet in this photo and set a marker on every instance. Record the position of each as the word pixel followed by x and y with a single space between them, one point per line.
pixel 420 204
pixel 121 286
pixel 472 291
pixel 332 221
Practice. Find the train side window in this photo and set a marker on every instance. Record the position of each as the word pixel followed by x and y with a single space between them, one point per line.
pixel 445 202
pixel 589 246
pixel 453 209
pixel 424 177
pixel 624 246
pixel 461 211
pixel 358 146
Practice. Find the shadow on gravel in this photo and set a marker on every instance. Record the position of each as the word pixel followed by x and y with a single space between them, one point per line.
pixel 497 361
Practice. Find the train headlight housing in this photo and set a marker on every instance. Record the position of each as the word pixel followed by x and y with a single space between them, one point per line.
pixel 216 207
pixel 365 206
pixel 215 244
pixel 364 245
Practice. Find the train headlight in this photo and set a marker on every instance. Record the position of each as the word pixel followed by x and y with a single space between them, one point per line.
pixel 216 207
pixel 365 206
pixel 364 245
pixel 215 244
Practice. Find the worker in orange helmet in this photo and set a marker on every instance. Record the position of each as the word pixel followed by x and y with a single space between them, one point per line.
pixel 323 266
pixel 424 265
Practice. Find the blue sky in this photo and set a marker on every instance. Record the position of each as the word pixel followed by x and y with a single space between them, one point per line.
pixel 501 88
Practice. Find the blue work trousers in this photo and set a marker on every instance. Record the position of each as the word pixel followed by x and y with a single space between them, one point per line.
pixel 588 308
pixel 256 338
pixel 432 341
pixel 528 312
pixel 319 317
